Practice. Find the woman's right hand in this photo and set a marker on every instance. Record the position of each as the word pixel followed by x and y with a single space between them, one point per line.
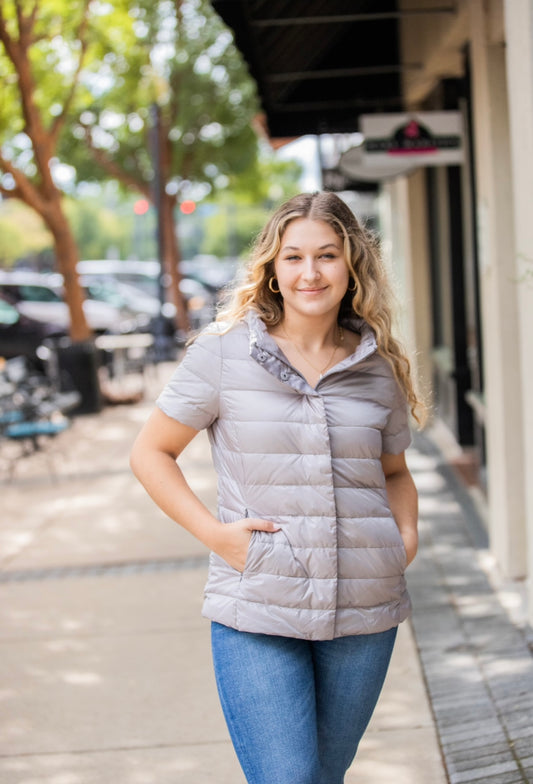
pixel 233 539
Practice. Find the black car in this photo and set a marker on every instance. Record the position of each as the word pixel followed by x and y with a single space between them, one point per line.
pixel 21 335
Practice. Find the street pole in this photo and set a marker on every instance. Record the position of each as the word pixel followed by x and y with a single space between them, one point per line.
pixel 161 341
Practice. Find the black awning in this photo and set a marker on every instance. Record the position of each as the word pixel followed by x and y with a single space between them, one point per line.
pixel 319 64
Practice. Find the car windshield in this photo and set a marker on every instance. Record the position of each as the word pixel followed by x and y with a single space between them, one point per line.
pixel 105 293
pixel 8 314
pixel 147 283
pixel 31 293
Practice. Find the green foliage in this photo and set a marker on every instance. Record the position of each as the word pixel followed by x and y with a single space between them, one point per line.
pixel 53 52
pixel 244 207
pixel 11 243
pixel 80 75
pixel 103 227
pixel 268 181
pixel 22 233
pixel 230 231
pixel 98 69
pixel 67 42
pixel 99 230
pixel 184 62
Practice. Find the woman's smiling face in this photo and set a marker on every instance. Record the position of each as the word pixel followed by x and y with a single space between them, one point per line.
pixel 311 269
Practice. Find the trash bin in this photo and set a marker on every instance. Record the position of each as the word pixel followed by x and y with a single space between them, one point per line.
pixel 77 368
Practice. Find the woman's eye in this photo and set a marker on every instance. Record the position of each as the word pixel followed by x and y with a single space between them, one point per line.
pixel 327 256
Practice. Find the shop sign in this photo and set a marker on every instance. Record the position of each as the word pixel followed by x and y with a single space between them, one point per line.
pixel 417 138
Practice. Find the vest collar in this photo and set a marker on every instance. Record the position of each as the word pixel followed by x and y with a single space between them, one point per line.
pixel 264 349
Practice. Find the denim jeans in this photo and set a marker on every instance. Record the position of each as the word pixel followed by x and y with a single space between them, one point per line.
pixel 296 710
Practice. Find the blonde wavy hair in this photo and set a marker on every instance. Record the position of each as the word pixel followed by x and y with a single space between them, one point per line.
pixel 371 298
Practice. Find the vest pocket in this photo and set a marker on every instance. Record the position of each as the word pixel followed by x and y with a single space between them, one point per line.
pixel 260 545
pixel 256 549
pixel 253 556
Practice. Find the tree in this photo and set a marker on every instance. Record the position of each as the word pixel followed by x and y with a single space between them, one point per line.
pixel 186 92
pixel 126 71
pixel 44 49
pixel 243 209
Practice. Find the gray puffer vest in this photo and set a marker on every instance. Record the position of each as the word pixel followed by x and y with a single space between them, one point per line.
pixel 308 459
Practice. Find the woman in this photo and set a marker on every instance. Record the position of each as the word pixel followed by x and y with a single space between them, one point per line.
pixel 304 393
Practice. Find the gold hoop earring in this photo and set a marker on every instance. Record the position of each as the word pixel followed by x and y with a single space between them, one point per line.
pixel 271 287
pixel 353 288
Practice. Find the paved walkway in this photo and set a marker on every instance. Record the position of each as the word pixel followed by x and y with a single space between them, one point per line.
pixel 476 660
pixel 105 672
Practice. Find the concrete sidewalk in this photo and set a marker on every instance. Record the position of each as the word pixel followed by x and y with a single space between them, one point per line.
pixel 105 671
pixel 471 633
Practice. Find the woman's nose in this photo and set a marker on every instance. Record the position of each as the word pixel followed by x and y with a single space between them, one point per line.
pixel 311 270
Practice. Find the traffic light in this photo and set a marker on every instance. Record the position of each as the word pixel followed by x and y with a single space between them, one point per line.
pixel 141 206
pixel 188 206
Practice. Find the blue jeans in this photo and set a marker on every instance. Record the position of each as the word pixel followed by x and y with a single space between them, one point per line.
pixel 296 710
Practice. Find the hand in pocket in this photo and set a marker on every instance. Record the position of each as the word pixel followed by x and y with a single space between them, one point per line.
pixel 234 539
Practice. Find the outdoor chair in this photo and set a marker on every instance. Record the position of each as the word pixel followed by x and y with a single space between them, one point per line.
pixel 32 411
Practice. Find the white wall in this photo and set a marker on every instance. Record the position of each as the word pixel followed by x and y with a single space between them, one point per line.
pixel 402 211
pixel 519 55
pixel 499 296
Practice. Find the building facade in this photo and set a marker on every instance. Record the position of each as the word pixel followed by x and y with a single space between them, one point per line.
pixel 462 237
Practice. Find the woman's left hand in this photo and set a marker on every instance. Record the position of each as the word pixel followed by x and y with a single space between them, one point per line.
pixel 403 500
pixel 410 541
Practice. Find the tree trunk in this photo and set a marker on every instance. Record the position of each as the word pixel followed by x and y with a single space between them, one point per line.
pixel 66 253
pixel 172 260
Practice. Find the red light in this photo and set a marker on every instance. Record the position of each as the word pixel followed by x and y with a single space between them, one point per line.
pixel 141 207
pixel 188 206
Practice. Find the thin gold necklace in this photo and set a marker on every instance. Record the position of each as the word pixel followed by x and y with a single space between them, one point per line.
pixel 330 360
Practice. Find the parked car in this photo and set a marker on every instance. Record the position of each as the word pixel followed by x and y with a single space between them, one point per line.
pixel 145 275
pixel 40 297
pixel 145 308
pixel 21 335
pixel 212 272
